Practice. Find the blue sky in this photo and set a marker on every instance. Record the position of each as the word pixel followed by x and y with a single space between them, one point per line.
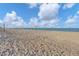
pixel 22 10
pixel 40 15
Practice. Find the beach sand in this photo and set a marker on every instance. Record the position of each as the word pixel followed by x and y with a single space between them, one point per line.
pixel 20 42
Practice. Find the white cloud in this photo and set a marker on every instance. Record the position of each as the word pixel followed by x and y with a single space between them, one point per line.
pixel 73 21
pixel 13 21
pixel 49 24
pixel 33 22
pixel 32 5
pixel 68 5
pixel 48 11
pixel 47 16
pixel 9 17
pixel 1 22
pixel 77 12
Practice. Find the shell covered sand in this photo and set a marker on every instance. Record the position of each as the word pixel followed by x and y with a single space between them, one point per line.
pixel 19 42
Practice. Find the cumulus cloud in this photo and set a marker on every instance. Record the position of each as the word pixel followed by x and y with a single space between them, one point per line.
pixel 48 11
pixel 49 24
pixel 32 5
pixel 68 5
pixel 73 20
pixel 34 22
pixel 1 21
pixel 13 21
pixel 47 16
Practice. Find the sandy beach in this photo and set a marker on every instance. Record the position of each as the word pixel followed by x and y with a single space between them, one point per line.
pixel 20 42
